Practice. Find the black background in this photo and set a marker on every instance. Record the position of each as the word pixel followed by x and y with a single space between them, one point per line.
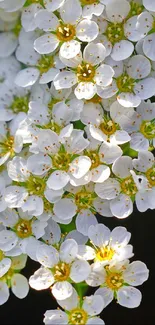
pixel 142 226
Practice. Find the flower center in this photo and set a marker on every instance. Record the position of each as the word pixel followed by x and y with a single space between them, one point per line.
pixel 128 186
pixel 114 280
pixel 23 228
pixel 78 316
pixel 150 174
pixel 36 185
pixel 84 200
pixel 65 32
pixel 52 126
pixel 108 127
pixel 61 272
pixel 7 146
pixel 61 160
pixel 115 32
pixel 105 254
pixel 96 99
pixel 45 63
pixel 1 255
pixel 20 104
pixel 135 9
pixel 95 159
pixel 147 128
pixel 85 72
pixel 125 84
pixel 48 207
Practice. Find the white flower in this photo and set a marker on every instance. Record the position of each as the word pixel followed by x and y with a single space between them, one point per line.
pixel 8 69
pixel 64 159
pixel 149 5
pixel 58 268
pixel 10 141
pixel 120 281
pixel 146 166
pixel 133 85
pixel 118 28
pixel 64 31
pixel 92 7
pixel 18 4
pixel 102 126
pixel 76 313
pixel 123 190
pixel 11 278
pixel 107 247
pixel 30 193
pixel 87 71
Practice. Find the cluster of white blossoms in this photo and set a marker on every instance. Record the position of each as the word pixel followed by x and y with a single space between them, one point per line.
pixel 77 134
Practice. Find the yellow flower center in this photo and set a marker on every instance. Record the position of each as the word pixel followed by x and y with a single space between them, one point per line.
pixel 48 207
pixel 20 104
pixel 78 316
pixel 105 254
pixel 115 32
pixel 147 128
pixel 1 255
pixel 7 146
pixel 150 174
pixel 114 280
pixel 135 9
pixel 36 185
pixel 125 84
pixel 84 200
pixel 95 158
pixel 108 127
pixel 53 126
pixel 85 72
pixel 61 272
pixel 61 160
pixel 23 228
pixel 45 63
pixel 128 186
pixel 65 32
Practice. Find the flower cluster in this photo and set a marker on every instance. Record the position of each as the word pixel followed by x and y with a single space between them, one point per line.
pixel 77 134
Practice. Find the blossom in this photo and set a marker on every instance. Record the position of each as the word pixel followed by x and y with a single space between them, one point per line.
pixel 119 282
pixel 87 71
pixel 58 268
pixel 85 313
pixel 64 32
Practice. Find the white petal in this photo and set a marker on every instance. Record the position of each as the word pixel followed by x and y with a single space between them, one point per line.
pixel 84 220
pixel 28 17
pixel 71 302
pixel 99 235
pixel 62 290
pixel 149 5
pixel 120 237
pixel 80 166
pixel 148 46
pixel 53 5
pixel 122 166
pixel 145 161
pixel 71 11
pixel 145 88
pixel 15 196
pixel 129 99
pixel 57 180
pixel 122 50
pixel 138 67
pixel 77 236
pixel 106 294
pixel 87 30
pixel 65 79
pixel 48 256
pixel 55 317
pixel 80 270
pixel 10 42
pixel 52 195
pixel 86 252
pixel 117 10
pixel 94 321
pixel 100 173
pixel 4 293
pixel 17 169
pixel 139 142
pixel 27 77
pixel 70 49
pixel 4 266
pixel 65 209
pixel 122 206
pixel 109 152
pixel 46 20
pixel 129 297
pixel 41 279
pixel 110 189
pixel 68 251
pixel 85 90
pixel 103 76
pixel 38 164
pixel 94 53
pixel 19 286
pixel 48 76
pixel 136 273
pixel 33 205
pixel 93 305
pixel 97 275
pixel 48 141
pixel 102 207
pixel 46 44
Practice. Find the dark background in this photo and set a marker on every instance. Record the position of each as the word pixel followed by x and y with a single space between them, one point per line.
pixel 142 226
